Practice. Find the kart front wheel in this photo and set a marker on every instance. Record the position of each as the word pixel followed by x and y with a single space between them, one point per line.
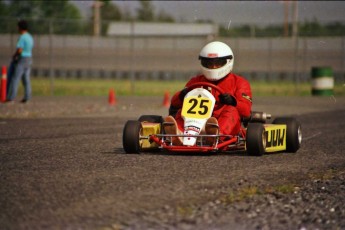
pixel 255 139
pixel 131 137
pixel 293 133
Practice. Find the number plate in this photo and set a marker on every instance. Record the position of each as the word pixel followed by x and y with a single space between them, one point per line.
pixel 197 107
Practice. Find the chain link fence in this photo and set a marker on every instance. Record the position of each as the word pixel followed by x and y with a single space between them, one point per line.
pixel 67 49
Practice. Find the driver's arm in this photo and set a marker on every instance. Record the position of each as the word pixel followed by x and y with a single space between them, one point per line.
pixel 17 54
pixel 244 98
pixel 177 99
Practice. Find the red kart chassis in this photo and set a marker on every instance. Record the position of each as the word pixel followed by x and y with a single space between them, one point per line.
pixel 230 143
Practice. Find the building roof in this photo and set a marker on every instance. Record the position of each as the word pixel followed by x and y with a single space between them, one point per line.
pixel 161 29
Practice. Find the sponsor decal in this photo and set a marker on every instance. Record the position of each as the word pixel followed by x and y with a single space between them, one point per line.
pixel 197 107
pixel 245 96
pixel 192 128
pixel 212 55
pixel 275 136
pixel 196 121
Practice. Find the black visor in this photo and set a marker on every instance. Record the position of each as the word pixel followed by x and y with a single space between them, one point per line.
pixel 213 63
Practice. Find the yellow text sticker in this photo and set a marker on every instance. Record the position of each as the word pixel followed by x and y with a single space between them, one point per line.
pixel 275 137
pixel 197 107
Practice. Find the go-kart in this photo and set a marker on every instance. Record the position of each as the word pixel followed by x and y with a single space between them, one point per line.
pixel 256 136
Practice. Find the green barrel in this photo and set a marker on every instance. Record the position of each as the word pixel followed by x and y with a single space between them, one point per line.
pixel 322 81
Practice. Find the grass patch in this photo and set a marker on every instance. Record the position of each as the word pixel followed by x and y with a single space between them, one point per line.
pixel 185 211
pixel 285 189
pixel 93 87
pixel 260 88
pixel 100 87
pixel 329 174
pixel 251 191
pixel 240 195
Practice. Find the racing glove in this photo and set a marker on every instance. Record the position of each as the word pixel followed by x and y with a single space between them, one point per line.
pixel 183 93
pixel 173 110
pixel 227 99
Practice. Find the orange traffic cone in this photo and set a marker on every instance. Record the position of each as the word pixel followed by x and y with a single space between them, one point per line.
pixel 3 84
pixel 112 97
pixel 166 101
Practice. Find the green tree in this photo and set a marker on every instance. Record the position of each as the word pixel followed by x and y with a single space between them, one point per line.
pixel 126 14
pixel 109 12
pixel 3 8
pixel 146 11
pixel 311 28
pixel 270 31
pixel 335 29
pixel 17 9
pixel 164 17
pixel 239 31
pixel 24 9
pixel 4 13
pixel 60 17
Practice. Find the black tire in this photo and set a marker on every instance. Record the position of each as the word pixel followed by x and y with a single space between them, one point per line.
pixel 131 136
pixel 255 139
pixel 293 133
pixel 151 118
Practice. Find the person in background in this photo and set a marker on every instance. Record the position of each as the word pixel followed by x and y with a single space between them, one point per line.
pixel 217 60
pixel 22 60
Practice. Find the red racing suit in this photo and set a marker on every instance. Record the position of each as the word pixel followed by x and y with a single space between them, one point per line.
pixel 229 117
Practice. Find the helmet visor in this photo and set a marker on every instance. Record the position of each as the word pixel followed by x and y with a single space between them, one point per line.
pixel 213 63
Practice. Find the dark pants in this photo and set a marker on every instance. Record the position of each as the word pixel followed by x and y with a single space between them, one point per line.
pixel 21 72
pixel 10 74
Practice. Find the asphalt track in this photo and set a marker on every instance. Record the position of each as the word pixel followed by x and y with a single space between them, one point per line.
pixel 63 167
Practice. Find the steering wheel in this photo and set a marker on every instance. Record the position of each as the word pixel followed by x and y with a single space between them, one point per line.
pixel 198 84
pixel 215 87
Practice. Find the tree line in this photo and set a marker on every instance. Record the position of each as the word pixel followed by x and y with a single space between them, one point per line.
pixel 63 17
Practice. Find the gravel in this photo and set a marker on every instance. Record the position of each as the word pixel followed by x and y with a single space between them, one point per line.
pixel 303 201
pixel 317 203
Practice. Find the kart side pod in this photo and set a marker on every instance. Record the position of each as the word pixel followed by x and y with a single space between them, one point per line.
pixel 148 129
pixel 275 137
pixel 284 134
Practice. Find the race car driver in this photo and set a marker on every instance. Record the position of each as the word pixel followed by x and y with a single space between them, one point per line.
pixel 217 60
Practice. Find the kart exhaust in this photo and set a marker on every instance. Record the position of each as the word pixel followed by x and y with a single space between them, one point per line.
pixel 259 117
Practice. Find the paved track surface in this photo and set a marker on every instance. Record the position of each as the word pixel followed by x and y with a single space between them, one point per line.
pixel 63 167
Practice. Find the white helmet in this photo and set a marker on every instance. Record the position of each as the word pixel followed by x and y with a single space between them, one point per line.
pixel 217 60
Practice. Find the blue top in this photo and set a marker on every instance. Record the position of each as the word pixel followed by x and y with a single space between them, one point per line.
pixel 26 42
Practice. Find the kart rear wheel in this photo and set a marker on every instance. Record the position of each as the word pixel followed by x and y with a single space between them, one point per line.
pixel 293 133
pixel 255 139
pixel 151 118
pixel 131 137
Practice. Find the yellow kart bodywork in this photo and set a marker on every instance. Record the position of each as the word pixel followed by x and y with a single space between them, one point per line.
pixel 149 128
pixel 275 136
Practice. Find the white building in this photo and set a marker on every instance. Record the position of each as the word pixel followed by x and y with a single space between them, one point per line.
pixel 162 29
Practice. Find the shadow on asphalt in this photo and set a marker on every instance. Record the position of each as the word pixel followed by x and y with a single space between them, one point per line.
pixel 120 151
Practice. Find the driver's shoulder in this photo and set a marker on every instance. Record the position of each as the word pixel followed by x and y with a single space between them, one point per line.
pixel 239 77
